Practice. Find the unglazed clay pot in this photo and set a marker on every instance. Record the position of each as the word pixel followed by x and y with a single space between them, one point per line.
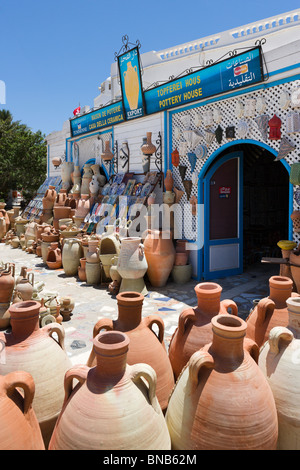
pixel 194 325
pixel 33 349
pixel 168 181
pixel 81 269
pixel 93 273
pixel 145 346
pixel 49 198
pixel 92 255
pixel 24 286
pixel 19 426
pixel 84 206
pixel 132 265
pixel 270 311
pixel 279 361
pixel 114 405
pixel 160 255
pixel 222 401
pixel 54 257
pixel 71 254
pixel 7 283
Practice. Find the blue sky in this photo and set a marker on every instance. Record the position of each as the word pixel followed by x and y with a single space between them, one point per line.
pixel 55 54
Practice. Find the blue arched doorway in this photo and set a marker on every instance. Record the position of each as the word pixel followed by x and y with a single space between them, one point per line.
pixel 247 202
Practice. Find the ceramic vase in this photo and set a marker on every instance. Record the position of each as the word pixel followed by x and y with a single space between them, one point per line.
pixel 270 311
pixel 114 406
pixel 279 361
pixel 84 206
pixel 93 273
pixel 168 181
pixel 19 426
pixel 66 170
pixel 81 269
pixel 222 401
pixel 49 198
pixel 86 179
pixel 34 350
pixel 92 255
pixel 132 265
pixel 160 255
pixel 7 283
pixel 145 345
pixel 71 254
pixel 148 148
pixel 24 286
pixel 194 328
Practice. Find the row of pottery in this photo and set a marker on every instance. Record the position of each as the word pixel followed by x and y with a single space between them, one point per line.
pixel 197 415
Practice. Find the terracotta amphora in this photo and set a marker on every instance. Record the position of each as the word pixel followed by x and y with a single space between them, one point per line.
pixel 168 181
pixel 53 260
pixel 145 345
pixel 81 269
pixel 114 405
pixel 41 353
pixel 49 198
pixel 24 286
pixel 222 401
pixel 160 255
pixel 279 361
pixel 194 328
pixel 7 283
pixel 19 426
pixel 270 311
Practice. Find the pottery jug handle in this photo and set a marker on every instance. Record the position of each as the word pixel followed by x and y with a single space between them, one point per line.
pixel 30 275
pixel 155 319
pixel 141 249
pixel 102 324
pixel 199 360
pixel 252 348
pixel 24 380
pixel 277 336
pixel 227 304
pixel 186 315
pixel 264 307
pixel 79 373
pixel 12 267
pixel 59 330
pixel 146 372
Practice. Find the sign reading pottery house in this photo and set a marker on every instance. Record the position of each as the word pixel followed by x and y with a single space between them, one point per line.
pixel 131 84
pixel 239 71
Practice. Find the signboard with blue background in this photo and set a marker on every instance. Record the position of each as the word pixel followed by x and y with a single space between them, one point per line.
pixel 131 84
pixel 239 71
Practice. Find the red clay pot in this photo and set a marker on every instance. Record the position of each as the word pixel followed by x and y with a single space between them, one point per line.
pixel 271 311
pixel 111 408
pixel 7 283
pixel 194 325
pixel 19 428
pixel 222 401
pixel 160 256
pixel 145 345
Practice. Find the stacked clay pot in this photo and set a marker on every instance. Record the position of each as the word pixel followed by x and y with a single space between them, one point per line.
pixel 279 362
pixel 111 408
pixel 160 256
pixel 92 265
pixel 34 350
pixel 270 311
pixel 222 401
pixel 194 325
pixel 145 346
pixel 19 426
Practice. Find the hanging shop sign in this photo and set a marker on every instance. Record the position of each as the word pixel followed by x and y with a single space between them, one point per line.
pixel 230 74
pixel 131 84
pixel 103 117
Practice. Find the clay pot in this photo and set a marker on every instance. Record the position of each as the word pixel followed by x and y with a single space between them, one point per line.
pixel 20 225
pixel 145 346
pixel 92 255
pixel 24 286
pixel 86 179
pixel 168 181
pixel 160 255
pixel 83 207
pixel 294 259
pixel 182 274
pixel 61 198
pixel 112 406
pixel 270 311
pixel 194 325
pixel 71 254
pixel 81 269
pixel 93 273
pixel 132 265
pixel 33 349
pixel 66 170
pixel 277 360
pixel 44 250
pixel 212 404
pixel 7 283
pixel 49 198
pixel 113 271
pixel 19 426
pixel 181 258
pixel 54 257
pixel 148 148
pixel 2 227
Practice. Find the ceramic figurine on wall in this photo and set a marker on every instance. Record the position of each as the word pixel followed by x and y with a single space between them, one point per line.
pixel 292 122
pixel 217 115
pixel 250 105
pixel 193 160
pixel 182 170
pixel 177 133
pixel 262 122
pixel 219 134
pixel 188 188
pixel 209 137
pixel 239 109
pixel 186 121
pixel 284 99
pixel 183 148
pixel 295 98
pixel 285 148
pixel 193 202
pixel 261 105
pixel 201 151
pixel 230 132
pixel 175 157
pixel 242 129
pixel 198 120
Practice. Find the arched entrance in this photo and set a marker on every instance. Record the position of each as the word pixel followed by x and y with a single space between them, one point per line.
pixel 247 203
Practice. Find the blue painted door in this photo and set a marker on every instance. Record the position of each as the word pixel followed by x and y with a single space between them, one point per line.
pixel 223 217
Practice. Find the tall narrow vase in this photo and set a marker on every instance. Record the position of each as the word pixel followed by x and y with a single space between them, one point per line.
pixel 160 255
